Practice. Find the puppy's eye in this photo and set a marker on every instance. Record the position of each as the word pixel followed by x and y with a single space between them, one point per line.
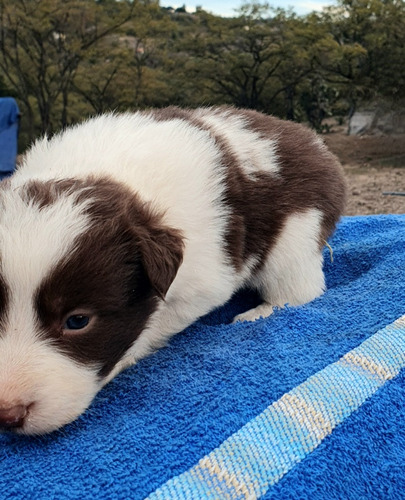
pixel 76 322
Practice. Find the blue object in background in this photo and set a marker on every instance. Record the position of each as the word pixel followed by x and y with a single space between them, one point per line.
pixel 9 125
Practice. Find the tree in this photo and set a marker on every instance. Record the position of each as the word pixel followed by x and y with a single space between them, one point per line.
pixel 236 58
pixel 368 53
pixel 43 43
pixel 255 60
pixel 66 58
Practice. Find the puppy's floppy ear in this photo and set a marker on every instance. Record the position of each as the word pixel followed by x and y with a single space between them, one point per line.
pixel 161 254
pixel 159 247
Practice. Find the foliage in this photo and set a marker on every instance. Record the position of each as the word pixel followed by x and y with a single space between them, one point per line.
pixel 42 44
pixel 65 59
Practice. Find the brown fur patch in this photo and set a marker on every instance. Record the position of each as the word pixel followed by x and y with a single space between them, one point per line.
pixel 109 201
pixel 43 194
pixel 117 271
pixel 310 177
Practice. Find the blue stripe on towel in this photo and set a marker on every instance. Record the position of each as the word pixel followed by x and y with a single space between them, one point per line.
pixel 265 449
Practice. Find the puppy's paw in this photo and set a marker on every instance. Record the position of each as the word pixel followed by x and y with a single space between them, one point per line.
pixel 261 311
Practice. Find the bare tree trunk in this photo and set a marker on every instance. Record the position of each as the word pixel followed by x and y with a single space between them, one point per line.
pixel 65 100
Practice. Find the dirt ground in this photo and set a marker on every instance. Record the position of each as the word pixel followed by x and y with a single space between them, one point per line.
pixel 373 165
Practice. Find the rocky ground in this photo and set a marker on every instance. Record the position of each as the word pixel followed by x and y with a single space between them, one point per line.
pixel 373 165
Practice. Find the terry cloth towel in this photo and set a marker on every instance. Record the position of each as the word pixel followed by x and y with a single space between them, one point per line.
pixel 9 123
pixel 308 403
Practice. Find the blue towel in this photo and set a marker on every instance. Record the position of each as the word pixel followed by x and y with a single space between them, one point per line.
pixel 308 403
pixel 9 124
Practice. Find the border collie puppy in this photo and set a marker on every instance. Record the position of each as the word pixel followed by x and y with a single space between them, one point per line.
pixel 122 231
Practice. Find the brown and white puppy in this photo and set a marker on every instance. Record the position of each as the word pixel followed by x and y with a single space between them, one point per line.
pixel 120 232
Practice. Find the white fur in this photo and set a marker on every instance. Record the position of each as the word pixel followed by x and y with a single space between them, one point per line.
pixel 45 235
pixel 254 153
pixel 182 178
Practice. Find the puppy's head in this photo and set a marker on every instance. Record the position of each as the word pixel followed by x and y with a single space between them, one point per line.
pixel 83 265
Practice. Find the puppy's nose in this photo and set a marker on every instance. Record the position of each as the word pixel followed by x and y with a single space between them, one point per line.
pixel 12 416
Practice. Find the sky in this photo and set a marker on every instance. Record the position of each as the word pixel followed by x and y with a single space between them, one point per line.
pixel 226 8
